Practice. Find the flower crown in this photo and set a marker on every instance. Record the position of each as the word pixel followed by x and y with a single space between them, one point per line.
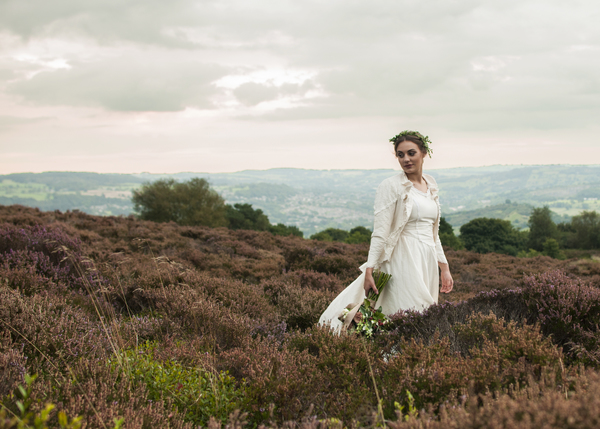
pixel 424 139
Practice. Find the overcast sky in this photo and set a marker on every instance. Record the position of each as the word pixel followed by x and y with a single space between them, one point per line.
pixel 227 85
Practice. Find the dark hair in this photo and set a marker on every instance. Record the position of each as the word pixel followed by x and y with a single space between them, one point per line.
pixel 410 138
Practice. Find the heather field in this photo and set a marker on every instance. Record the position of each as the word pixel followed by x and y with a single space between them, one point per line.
pixel 135 324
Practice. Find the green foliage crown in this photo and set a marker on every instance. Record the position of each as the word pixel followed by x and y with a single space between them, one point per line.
pixel 424 139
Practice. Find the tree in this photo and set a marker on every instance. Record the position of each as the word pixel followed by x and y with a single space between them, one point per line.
pixel 587 230
pixel 186 203
pixel 485 235
pixel 330 234
pixel 552 249
pixel 243 216
pixel 358 234
pixel 285 230
pixel 447 236
pixel 541 228
pixel 568 235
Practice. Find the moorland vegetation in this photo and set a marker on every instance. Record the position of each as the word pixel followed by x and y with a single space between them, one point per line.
pixel 139 324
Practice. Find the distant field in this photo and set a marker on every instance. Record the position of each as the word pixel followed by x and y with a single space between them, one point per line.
pixel 105 200
pixel 35 191
pixel 574 207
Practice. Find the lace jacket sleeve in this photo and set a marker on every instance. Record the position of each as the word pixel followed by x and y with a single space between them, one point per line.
pixel 439 251
pixel 385 206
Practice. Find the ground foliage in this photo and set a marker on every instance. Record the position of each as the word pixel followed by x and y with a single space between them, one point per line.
pixel 164 325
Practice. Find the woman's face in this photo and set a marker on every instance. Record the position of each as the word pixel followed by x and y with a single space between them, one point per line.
pixel 410 157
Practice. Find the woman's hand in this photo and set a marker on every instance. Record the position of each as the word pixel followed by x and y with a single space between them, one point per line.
pixel 447 282
pixel 369 281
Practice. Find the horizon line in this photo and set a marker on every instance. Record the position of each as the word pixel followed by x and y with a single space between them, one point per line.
pixel 306 169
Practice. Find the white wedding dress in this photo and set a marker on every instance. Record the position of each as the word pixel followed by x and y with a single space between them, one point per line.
pixel 413 265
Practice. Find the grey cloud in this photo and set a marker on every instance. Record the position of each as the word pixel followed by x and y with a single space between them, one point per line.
pixel 386 58
pixel 253 93
pixel 145 20
pixel 104 20
pixel 138 83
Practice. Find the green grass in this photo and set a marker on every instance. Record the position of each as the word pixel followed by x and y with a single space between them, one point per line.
pixel 198 392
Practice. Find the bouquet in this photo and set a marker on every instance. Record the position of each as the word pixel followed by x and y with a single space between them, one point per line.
pixel 364 318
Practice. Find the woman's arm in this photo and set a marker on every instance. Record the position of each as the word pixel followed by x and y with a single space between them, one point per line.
pixel 446 277
pixel 369 281
pixel 447 281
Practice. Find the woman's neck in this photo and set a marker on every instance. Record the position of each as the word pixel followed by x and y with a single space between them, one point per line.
pixel 416 177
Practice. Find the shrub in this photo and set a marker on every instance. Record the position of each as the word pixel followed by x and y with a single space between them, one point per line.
pixel 27 419
pixel 12 365
pixel 299 307
pixel 286 230
pixel 541 228
pixel 243 216
pixel 187 203
pixel 51 332
pixel 358 234
pixel 447 236
pixel 484 235
pixel 317 281
pixel 542 405
pixel 312 368
pixel 586 227
pixel 197 393
pixel 100 396
pixel 422 326
pixel 496 355
pixel 330 234
pixel 45 252
pixel 551 248
pixel 569 311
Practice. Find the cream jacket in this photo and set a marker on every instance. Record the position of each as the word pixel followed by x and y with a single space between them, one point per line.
pixel 392 210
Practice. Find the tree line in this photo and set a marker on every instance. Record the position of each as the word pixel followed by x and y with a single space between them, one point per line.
pixel 490 235
pixel 485 235
pixel 195 203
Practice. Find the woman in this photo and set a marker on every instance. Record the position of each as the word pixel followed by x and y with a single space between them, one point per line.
pixel 405 241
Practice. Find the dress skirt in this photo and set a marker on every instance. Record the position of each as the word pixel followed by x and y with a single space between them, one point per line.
pixel 414 284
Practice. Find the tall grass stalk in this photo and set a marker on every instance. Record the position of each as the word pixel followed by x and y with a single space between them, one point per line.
pixel 142 241
pixel 116 348
pixel 379 402
pixel 124 299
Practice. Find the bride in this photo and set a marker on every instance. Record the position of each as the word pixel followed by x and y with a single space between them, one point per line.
pixel 405 241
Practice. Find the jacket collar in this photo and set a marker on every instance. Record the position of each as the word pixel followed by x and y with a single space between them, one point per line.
pixel 407 184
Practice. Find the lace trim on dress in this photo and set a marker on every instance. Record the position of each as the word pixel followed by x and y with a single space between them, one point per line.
pixel 425 194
